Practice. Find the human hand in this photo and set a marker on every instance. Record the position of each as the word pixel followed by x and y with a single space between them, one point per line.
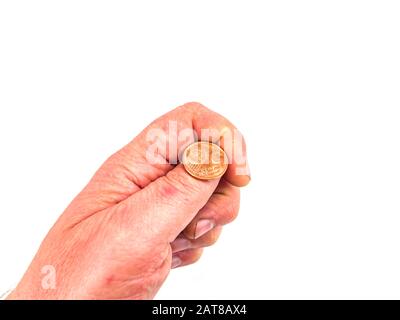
pixel 139 216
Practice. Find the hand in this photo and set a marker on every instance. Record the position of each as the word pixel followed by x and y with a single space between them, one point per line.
pixel 137 219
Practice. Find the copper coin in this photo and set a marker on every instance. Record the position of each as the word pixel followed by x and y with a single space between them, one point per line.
pixel 205 160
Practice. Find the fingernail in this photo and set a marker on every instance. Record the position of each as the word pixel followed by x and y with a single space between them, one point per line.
pixel 180 245
pixel 176 262
pixel 202 227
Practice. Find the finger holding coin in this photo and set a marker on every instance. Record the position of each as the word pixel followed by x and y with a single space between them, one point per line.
pixel 229 138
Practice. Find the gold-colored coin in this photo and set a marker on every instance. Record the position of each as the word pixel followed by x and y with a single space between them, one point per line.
pixel 205 160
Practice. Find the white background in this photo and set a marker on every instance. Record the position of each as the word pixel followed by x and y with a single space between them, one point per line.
pixel 313 85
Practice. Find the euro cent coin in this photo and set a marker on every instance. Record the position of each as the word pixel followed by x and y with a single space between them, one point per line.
pixel 205 160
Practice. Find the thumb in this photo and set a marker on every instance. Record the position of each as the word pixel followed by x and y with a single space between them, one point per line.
pixel 166 206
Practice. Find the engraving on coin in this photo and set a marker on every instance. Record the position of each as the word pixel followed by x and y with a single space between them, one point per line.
pixel 205 160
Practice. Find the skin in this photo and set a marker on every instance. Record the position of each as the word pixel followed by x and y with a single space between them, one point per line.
pixel 134 221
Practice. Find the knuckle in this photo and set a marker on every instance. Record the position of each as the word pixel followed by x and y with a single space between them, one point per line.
pixel 193 106
pixel 230 210
pixel 212 238
pixel 196 255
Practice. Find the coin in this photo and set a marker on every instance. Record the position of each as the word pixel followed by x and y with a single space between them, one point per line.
pixel 205 160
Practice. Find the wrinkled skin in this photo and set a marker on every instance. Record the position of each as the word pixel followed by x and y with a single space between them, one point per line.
pixel 134 221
